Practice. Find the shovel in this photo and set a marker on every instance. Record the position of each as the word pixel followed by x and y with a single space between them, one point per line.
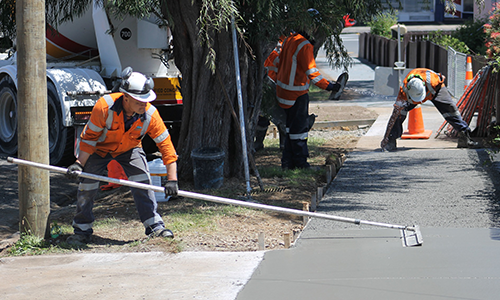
pixel 410 235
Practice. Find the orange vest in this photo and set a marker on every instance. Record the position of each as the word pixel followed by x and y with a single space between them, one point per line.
pixel 296 69
pixel 105 131
pixel 433 82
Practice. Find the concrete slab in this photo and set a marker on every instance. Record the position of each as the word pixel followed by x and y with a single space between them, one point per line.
pixel 154 275
pixel 371 264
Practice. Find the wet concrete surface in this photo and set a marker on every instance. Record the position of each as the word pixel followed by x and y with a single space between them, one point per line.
pixel 452 194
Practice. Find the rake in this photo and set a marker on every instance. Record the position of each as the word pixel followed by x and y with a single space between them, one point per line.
pixel 410 235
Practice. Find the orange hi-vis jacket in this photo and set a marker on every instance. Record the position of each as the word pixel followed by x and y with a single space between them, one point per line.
pixel 433 82
pixel 296 69
pixel 271 65
pixel 105 131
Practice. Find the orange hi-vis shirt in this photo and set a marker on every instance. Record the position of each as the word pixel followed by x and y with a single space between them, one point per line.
pixel 105 131
pixel 433 82
pixel 296 69
pixel 271 65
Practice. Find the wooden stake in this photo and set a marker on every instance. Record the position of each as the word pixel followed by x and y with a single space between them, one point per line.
pixel 296 233
pixel 261 240
pixel 329 173
pixel 319 194
pixel 286 238
pixel 313 202
pixel 305 207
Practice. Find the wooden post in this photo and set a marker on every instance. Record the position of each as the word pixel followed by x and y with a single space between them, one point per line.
pixel 32 133
pixel 286 239
pixel 329 173
pixel 275 133
pixel 319 194
pixel 296 233
pixel 261 240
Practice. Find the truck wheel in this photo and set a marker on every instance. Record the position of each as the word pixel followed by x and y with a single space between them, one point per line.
pixel 61 139
pixel 8 116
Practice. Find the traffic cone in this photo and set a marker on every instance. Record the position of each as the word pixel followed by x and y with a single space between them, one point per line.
pixel 115 170
pixel 468 72
pixel 416 128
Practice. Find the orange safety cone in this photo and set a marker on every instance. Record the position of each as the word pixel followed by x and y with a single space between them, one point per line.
pixel 416 128
pixel 468 72
pixel 115 170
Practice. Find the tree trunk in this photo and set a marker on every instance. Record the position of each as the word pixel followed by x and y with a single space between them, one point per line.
pixel 207 119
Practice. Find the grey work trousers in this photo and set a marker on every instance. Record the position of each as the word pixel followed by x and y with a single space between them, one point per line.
pixel 136 168
pixel 444 104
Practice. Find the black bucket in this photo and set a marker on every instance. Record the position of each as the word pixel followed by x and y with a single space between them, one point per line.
pixel 208 167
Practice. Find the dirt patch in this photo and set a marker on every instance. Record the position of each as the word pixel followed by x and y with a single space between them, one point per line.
pixel 234 230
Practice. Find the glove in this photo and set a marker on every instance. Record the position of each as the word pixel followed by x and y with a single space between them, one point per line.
pixel 171 188
pixel 330 86
pixel 74 170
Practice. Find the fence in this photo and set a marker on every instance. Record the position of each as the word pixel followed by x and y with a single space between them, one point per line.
pixel 418 52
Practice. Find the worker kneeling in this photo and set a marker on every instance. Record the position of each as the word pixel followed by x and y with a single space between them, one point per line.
pixel 117 125
pixel 419 86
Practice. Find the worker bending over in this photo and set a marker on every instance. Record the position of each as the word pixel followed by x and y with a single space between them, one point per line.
pixel 419 86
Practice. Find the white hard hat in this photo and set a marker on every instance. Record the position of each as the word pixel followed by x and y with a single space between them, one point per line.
pixel 137 85
pixel 415 89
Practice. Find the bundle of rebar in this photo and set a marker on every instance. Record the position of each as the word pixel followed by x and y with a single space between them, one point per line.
pixel 479 97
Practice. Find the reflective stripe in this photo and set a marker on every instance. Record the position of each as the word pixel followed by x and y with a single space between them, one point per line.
pixel 91 143
pixel 310 71
pixel 292 87
pixel 88 186
pixel 140 178
pixel 109 119
pixel 317 79
pixel 162 137
pixel 272 69
pixel 145 124
pixel 293 70
pixel 286 102
pixel 151 221
pixel 94 127
pixel 428 82
pixel 299 136
pixel 83 227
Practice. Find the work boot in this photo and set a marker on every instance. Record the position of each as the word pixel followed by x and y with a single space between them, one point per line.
pixel 339 86
pixel 163 232
pixel 391 146
pixel 79 239
pixel 311 119
pixel 260 135
pixel 464 140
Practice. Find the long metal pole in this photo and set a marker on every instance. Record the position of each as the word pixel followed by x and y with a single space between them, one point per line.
pixel 215 198
pixel 240 104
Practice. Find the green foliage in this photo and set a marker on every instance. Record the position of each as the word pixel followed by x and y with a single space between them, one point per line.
pixel 473 35
pixel 381 23
pixel 445 40
pixel 29 244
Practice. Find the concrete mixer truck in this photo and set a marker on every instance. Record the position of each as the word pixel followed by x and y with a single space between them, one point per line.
pixel 85 58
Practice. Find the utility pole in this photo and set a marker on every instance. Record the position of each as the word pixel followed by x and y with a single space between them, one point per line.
pixel 34 187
